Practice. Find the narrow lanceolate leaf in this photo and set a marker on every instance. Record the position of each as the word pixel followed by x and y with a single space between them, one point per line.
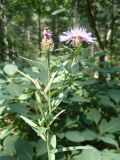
pixel 50 82
pixel 55 117
pixel 60 97
pixel 34 62
pixel 39 130
pixel 30 122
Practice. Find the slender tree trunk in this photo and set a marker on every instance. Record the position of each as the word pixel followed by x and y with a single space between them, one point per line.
pixel 1 32
pixel 112 24
pixel 92 21
pixel 5 30
pixel 76 19
pixel 39 33
pixel 54 24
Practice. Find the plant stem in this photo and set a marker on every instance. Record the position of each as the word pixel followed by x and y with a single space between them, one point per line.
pixel 48 145
pixel 49 98
pixel 49 110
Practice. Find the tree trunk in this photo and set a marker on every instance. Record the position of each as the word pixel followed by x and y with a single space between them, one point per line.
pixel 5 50
pixel 93 25
pixel 54 25
pixel 1 32
pixel 39 33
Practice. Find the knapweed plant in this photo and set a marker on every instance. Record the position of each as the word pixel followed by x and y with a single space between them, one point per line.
pixel 47 99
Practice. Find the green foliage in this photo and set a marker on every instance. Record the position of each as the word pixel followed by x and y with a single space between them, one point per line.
pixel 10 69
pixel 79 115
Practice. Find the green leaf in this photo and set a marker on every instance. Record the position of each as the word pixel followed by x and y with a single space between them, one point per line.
pixel 18 108
pixel 115 95
pixel 36 63
pixel 105 100
pixel 89 135
pixel 74 136
pixel 110 139
pixel 5 132
pixel 50 82
pixel 23 97
pixel 14 89
pixel 53 141
pixel 110 155
pixel 109 127
pixel 2 108
pixel 24 150
pixel 94 115
pixel 29 121
pixel 60 97
pixel 39 130
pixel 41 147
pixel 75 68
pixel 79 99
pixel 77 51
pixel 91 155
pixel 43 76
pixel 10 69
pixel 114 125
pixel 85 83
pixel 9 145
pixel 60 134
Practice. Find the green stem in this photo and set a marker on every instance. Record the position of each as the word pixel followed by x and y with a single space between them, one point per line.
pixel 49 110
pixel 48 145
pixel 49 98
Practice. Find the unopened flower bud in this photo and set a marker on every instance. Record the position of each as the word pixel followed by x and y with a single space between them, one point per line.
pixel 47 41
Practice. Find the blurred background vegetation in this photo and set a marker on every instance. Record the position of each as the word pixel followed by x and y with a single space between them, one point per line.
pixel 21 23
pixel 91 94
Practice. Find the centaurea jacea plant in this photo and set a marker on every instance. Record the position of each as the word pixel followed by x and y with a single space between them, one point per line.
pixel 43 95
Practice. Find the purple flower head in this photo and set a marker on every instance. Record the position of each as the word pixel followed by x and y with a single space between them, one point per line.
pixel 47 41
pixel 47 33
pixel 76 36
